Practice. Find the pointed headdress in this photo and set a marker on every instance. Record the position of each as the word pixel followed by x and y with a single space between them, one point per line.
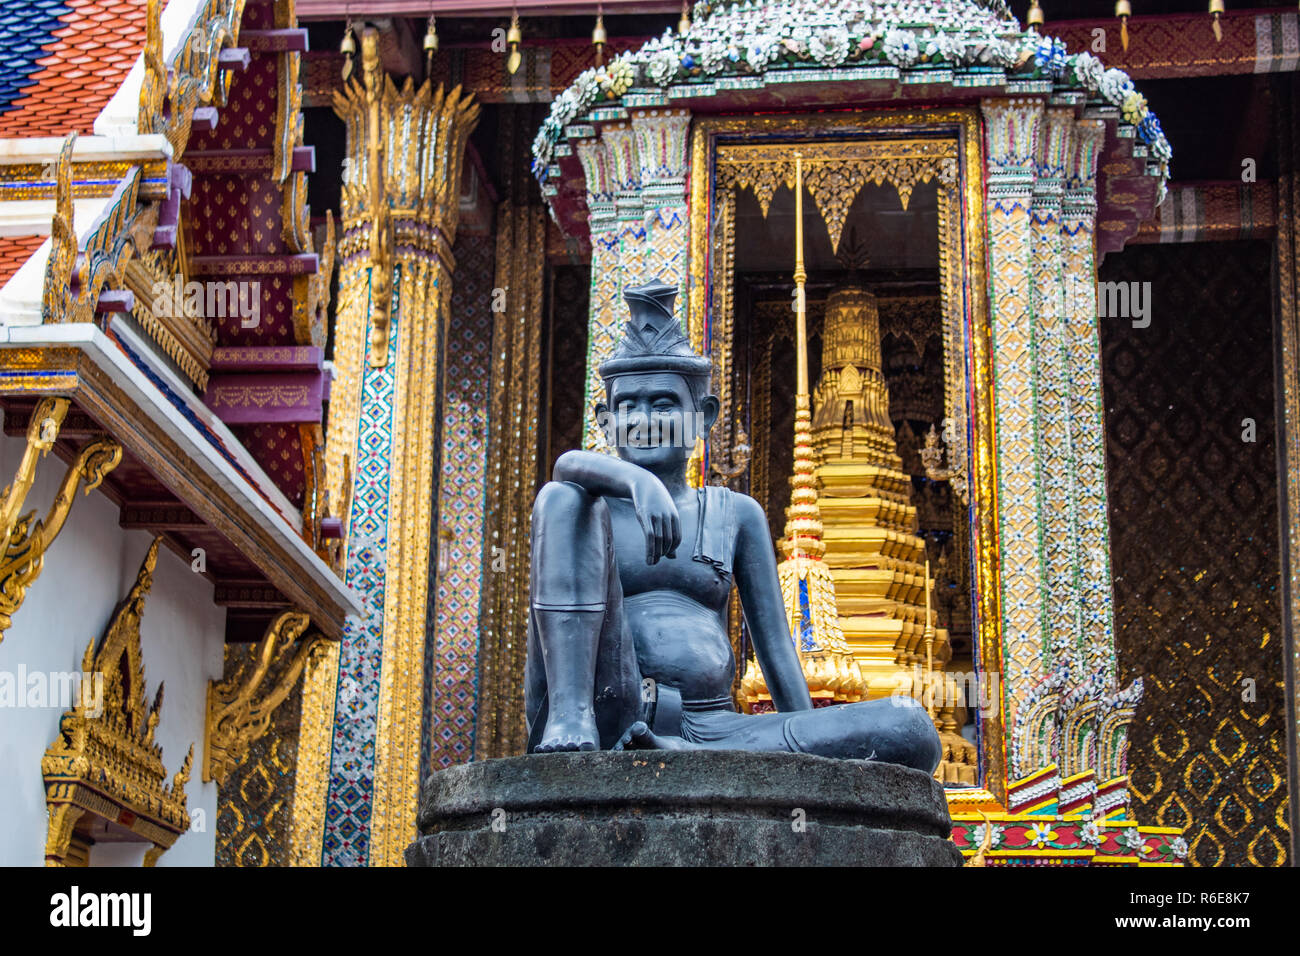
pixel 652 339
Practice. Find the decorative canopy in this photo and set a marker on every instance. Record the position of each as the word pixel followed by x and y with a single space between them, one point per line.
pixel 811 54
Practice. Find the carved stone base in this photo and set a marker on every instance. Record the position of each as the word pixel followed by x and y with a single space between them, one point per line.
pixel 681 808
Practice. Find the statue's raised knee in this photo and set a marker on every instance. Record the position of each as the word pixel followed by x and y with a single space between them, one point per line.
pixel 559 500
pixel 909 736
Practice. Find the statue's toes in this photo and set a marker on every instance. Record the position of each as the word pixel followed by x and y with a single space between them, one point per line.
pixel 567 743
pixel 634 733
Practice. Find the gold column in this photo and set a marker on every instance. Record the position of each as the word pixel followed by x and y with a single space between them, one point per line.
pixel 399 210
pixel 511 480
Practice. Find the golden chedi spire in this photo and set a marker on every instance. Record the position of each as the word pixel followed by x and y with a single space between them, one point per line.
pixel 806 582
pixel 868 523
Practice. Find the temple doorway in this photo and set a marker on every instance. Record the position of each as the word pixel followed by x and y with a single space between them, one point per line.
pixel 873 256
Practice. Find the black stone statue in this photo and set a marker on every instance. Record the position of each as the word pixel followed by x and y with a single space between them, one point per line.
pixel 631 574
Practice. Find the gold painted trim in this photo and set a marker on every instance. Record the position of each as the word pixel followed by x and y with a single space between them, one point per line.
pixel 410 508
pixel 94 179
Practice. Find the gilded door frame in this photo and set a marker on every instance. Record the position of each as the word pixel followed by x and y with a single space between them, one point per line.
pixel 962 270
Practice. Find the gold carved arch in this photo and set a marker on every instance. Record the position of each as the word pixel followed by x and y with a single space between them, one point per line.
pixel 835 173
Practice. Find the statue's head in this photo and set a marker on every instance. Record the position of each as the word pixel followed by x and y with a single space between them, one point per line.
pixel 656 385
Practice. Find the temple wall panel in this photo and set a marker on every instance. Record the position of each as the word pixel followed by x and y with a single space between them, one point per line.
pixel 1193 526
pixel 511 481
pixel 88 569
pixel 255 812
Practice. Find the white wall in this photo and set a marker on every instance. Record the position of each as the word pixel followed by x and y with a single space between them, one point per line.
pixel 88 569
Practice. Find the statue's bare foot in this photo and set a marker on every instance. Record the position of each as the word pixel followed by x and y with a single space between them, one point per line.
pixel 640 737
pixel 566 733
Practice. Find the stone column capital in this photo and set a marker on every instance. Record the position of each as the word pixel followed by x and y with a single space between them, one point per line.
pixel 1011 132
pixel 662 137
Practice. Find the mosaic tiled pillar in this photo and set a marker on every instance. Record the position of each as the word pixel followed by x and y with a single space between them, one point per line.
pixel 1096 639
pixel 603 323
pixel 1011 130
pixel 661 138
pixel 1056 459
pixel 636 194
pixel 451 655
pixel 399 209
pixel 629 203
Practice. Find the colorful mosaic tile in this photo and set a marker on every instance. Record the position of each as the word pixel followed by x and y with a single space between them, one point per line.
pixel 451 654
pixel 356 708
pixel 1060 649
pixel 1011 128
pixel 1096 595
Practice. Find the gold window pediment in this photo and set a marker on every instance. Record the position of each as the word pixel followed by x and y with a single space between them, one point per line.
pixel 104 773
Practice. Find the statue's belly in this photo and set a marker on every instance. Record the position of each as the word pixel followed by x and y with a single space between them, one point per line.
pixel 680 643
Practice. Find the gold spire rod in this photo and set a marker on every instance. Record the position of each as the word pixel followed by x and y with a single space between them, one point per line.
pixel 802 543
pixel 805 522
pixel 800 277
pixel 929 645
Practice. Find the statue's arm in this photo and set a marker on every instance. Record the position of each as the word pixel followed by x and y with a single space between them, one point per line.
pixel 607 476
pixel 602 475
pixel 760 597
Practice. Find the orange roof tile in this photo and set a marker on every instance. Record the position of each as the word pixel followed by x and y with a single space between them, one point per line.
pixel 14 251
pixel 64 95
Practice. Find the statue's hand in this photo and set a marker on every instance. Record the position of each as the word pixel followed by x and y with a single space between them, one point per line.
pixel 658 516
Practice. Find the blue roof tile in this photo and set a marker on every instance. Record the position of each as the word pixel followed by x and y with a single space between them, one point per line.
pixel 26 27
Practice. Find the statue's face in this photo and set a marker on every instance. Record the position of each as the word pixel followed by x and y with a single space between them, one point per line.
pixel 652 419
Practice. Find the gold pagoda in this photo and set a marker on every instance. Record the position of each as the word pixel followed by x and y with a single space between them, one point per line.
pixel 869 527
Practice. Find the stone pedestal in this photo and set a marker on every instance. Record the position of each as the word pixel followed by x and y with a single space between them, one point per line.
pixel 682 808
